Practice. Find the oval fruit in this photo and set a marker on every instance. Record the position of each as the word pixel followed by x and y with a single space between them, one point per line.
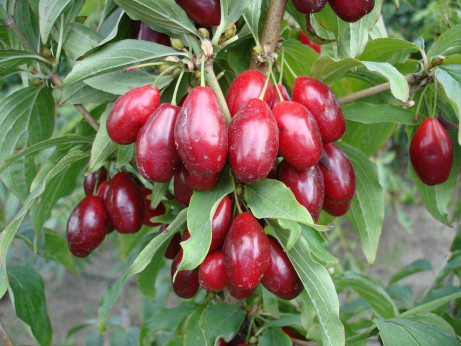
pixel 173 247
pixel 201 182
pixel 201 133
pixel 246 86
pixel 246 252
pixel 129 113
pixel 142 32
pixel 87 226
pixel 322 102
pixel 204 12
pixel 124 204
pixel 90 180
pixel 253 141
pixel 280 277
pixel 186 283
pixel 309 6
pixel 336 209
pixel 212 272
pixel 220 223
pixel 431 152
pixel 300 142
pixel 352 10
pixel 307 186
pixel 156 155
pixel 238 292
pixel 149 213
pixel 182 191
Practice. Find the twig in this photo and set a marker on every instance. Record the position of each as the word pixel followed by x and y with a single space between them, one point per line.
pixel 4 337
pixel 413 80
pixel 270 33
pixel 213 81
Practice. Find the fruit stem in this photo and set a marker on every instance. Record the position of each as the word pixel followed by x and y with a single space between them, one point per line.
pixel 277 86
pixel 289 67
pixel 131 68
pixel 173 100
pixel 261 96
pixel 281 67
pixel 419 104
pixel 236 197
pixel 213 82
pixel 434 109
pixel 162 74
pixel 202 71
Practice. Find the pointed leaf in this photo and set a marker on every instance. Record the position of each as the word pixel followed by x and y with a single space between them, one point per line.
pixel 48 12
pixel 221 321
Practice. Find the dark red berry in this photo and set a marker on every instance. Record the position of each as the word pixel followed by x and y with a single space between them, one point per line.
pixel 173 247
pixel 212 273
pixel 352 10
pixel 238 292
pixel 87 226
pixel 201 182
pixel 336 209
pixel 220 223
pixel 149 213
pixel 431 152
pixel 186 283
pixel 309 6
pixel 142 32
pixel 90 180
pixel 182 191
pixel 130 112
pixel 205 12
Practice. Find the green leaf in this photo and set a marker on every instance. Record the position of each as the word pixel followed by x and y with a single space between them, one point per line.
pixel 315 241
pixel 319 287
pixel 10 58
pixel 129 242
pixel 7 236
pixel 230 14
pixel 202 208
pixel 366 212
pixel 372 292
pixel 148 252
pixel 388 49
pixel 270 303
pixel 146 278
pixel 165 13
pixel 26 117
pixel 194 335
pixel 125 337
pixel 367 137
pixel 56 249
pixel 295 231
pixel 299 57
pixel 271 199
pixel 49 11
pixel 80 40
pixel 417 266
pixel 110 27
pixel 27 21
pixel 169 319
pixel 369 113
pixel 221 321
pixel 103 146
pixel 159 191
pixel 251 16
pixel 450 78
pixel 79 93
pixel 124 155
pixel 447 44
pixel 29 301
pixel 274 337
pixel 107 300
pixel 432 305
pixel 402 331
pixel 114 57
pixel 434 320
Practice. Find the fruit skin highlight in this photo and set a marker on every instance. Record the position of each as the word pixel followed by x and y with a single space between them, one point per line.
pixel 351 10
pixel 205 12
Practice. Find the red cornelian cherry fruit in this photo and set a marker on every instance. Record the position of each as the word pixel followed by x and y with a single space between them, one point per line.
pixel 351 10
pixel 205 12
pixel 212 272
pixel 309 6
pixel 96 177
pixel 182 191
pixel 186 283
pixel 149 213
pixel 142 32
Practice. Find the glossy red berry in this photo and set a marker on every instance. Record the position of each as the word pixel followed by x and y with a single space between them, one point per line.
pixel 336 209
pixel 142 32
pixel 431 152
pixel 182 191
pixel 174 246
pixel 149 213
pixel 304 39
pixel 102 189
pixel 280 277
pixel 124 204
pixel 130 112
pixel 300 142
pixel 276 97
pixel 238 292
pixel 307 186
pixel 156 155
pixel 253 141
pixel 352 10
pixel 221 342
pixel 340 179
pixel 87 226
pixel 205 12
pixel 201 133
pixel 186 283
pixel 246 252
pixel 321 101
pixel 309 6
pixel 246 86
pixel 212 272
pixel 90 180
pixel 220 223
pixel 201 182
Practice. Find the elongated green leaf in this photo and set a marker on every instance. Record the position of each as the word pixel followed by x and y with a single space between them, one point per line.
pixel 129 242
pixel 367 137
pixel 194 335
pixel 315 241
pixel 116 56
pixel 30 302
pixel 7 236
pixel 431 305
pixel 49 11
pixel 270 303
pixel 26 117
pixel 221 321
pixel 387 49
pixel 146 278
pixel 56 249
pixel 372 292
pixel 148 252
pixel 79 93
pixel 319 287
pixel 369 113
pixel 366 212
pixel 27 20
pixel 449 43
pixel 109 28
pixel 10 58
pixel 433 319
pixel 230 13
pixel 251 16
pixel 299 57
pixel 169 319
pixel 124 155
pixel 80 40
pixel 270 198
pixel 403 331
pixel 274 337
pixel 103 146
pixel 417 266
pixel 165 13
pixel 202 208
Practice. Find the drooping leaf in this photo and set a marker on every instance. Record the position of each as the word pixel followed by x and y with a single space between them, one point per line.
pixel 146 278
pixel 221 321
pixel 251 16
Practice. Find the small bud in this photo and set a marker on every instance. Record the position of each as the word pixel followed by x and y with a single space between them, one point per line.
pixel 253 340
pixel 163 68
pixel 437 60
pixel 177 44
pixel 197 74
pixel 37 82
pixel 46 53
pixel 257 51
pixel 203 33
pixel 231 30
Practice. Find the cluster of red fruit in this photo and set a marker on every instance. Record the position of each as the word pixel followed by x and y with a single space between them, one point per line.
pixel 121 204
pixel 239 258
pixel 347 10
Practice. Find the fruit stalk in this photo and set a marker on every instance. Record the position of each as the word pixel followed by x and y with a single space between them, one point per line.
pixel 270 33
pixel 213 82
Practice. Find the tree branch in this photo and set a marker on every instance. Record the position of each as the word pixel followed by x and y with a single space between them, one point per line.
pixel 4 337
pixel 270 33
